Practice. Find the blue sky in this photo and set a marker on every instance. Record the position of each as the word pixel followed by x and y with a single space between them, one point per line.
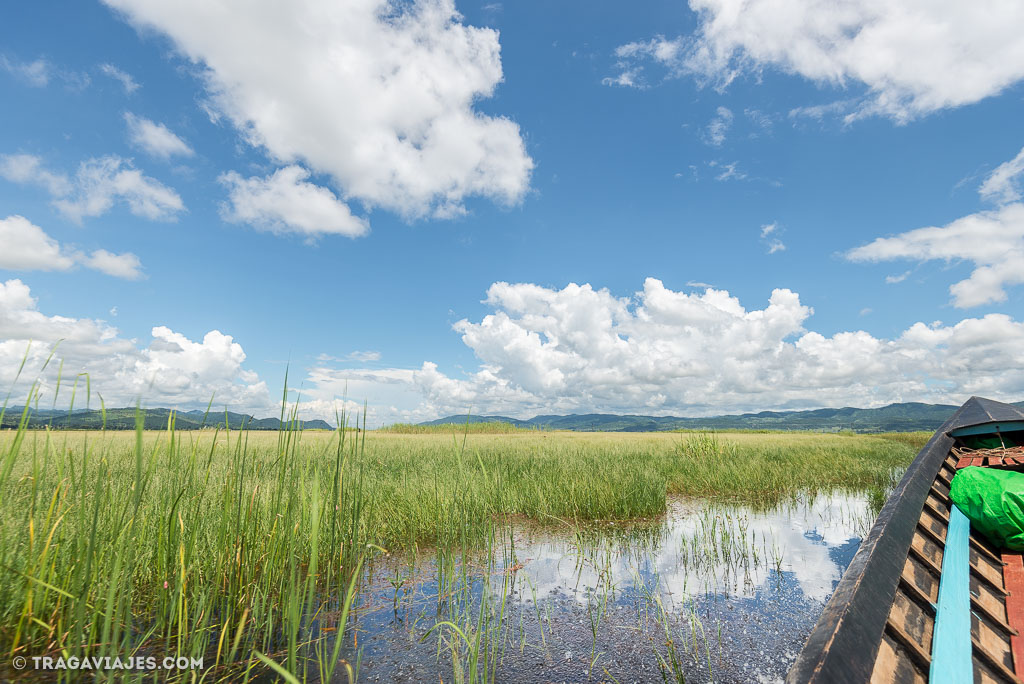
pixel 513 208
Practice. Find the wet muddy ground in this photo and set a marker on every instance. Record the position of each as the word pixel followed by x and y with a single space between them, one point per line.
pixel 711 592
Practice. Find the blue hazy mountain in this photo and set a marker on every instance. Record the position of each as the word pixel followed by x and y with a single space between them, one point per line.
pixel 153 419
pixel 904 417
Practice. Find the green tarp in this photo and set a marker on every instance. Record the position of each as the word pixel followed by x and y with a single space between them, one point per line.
pixel 993 500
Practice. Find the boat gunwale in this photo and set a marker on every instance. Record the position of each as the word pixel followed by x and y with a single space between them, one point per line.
pixel 843 645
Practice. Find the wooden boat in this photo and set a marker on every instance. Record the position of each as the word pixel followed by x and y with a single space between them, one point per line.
pixel 881 623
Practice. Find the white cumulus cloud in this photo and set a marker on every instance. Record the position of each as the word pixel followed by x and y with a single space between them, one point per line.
pixel 913 57
pixel 285 202
pixel 98 184
pixel 575 349
pixel 155 138
pixel 171 370
pixel 27 247
pixel 378 94
pixel 992 240
pixel 662 352
pixel 27 168
pixel 125 265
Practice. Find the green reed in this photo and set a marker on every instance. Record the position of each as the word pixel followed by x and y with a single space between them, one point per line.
pixel 179 544
pixel 244 548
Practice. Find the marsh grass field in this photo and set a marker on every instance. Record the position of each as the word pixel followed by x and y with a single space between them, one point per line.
pixel 252 550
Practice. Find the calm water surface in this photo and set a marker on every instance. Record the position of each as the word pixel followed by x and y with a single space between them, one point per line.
pixel 710 592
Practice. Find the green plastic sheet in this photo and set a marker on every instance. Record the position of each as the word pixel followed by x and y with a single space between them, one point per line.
pixel 993 500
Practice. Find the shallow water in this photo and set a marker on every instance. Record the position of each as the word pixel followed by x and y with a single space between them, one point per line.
pixel 711 592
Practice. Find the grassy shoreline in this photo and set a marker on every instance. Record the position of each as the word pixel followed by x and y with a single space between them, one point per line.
pixel 219 543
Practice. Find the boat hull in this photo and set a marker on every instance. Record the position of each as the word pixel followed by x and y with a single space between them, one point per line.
pixel 879 624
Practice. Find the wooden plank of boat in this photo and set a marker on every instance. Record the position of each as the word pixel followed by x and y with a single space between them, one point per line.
pixel 1013 573
pixel 879 625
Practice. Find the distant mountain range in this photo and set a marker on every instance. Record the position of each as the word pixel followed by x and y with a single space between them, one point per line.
pixel 154 419
pixel 905 417
pixel 892 418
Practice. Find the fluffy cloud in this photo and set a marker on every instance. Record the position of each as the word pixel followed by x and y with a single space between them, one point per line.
pixel 28 248
pixel 124 78
pixel 285 202
pixel 543 350
pixel 155 138
pixel 125 265
pixel 98 184
pixel 913 56
pixel 671 353
pixel 378 94
pixel 27 168
pixel 391 395
pixel 171 371
pixel 992 240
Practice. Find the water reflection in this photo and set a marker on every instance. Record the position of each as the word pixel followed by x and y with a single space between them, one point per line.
pixel 710 592
pixel 702 548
